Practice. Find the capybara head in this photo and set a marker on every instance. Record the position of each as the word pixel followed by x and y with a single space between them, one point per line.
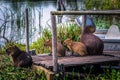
pixel 68 42
pixel 48 42
pixel 89 29
pixel 11 50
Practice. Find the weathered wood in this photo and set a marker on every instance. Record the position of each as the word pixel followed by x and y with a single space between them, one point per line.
pixel 41 58
pixel 27 31
pixel 87 12
pixel 49 74
pixel 54 42
pixel 112 53
pixel 77 61
pixel 84 23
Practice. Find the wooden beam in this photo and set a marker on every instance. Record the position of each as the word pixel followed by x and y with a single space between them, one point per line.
pixel 49 74
pixel 87 12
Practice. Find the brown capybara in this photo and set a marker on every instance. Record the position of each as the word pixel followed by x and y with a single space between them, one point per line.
pixel 20 58
pixel 60 48
pixel 77 47
pixel 93 43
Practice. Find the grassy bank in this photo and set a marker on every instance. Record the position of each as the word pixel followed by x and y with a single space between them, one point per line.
pixel 9 72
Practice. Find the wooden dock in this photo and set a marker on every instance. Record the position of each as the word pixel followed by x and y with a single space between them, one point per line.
pixel 45 61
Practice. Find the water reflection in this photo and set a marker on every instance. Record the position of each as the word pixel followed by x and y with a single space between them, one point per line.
pixel 39 18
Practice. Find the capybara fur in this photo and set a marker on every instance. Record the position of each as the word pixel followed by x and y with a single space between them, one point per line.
pixel 77 47
pixel 93 43
pixel 60 48
pixel 20 58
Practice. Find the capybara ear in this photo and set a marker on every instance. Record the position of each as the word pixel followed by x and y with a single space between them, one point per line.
pixel 68 41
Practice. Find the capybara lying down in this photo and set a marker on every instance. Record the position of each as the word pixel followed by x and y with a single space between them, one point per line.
pixel 20 58
pixel 76 47
pixel 60 48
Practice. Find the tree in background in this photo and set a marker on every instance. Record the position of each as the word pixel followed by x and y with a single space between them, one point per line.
pixel 104 21
pixel 102 4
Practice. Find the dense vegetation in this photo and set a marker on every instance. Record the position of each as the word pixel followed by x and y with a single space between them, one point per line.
pixel 64 31
pixel 8 72
pixel 106 4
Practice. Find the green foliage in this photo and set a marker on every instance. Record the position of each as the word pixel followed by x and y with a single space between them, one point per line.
pixel 106 21
pixel 47 34
pixel 64 31
pixel 8 72
pixel 110 75
pixel 68 30
pixel 21 46
pixel 106 4
pixel 102 24
pixel 39 46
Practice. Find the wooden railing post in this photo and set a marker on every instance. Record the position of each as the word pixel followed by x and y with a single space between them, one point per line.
pixel 27 30
pixel 54 43
pixel 83 22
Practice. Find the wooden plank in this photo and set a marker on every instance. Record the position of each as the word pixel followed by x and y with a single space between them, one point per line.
pixel 112 53
pixel 49 74
pixel 41 58
pixel 75 61
pixel 87 60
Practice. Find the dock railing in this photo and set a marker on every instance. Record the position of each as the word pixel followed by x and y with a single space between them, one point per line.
pixel 84 13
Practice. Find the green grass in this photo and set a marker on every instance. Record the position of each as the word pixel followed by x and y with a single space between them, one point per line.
pixel 9 72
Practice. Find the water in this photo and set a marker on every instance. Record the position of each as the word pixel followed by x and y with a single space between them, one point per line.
pixel 39 18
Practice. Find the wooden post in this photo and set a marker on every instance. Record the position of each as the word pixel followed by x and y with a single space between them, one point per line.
pixel 54 43
pixel 27 31
pixel 83 23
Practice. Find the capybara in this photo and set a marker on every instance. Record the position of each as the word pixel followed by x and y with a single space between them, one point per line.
pixel 60 48
pixel 93 43
pixel 20 58
pixel 77 47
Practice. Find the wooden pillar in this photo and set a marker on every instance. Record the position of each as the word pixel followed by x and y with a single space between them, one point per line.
pixel 83 23
pixel 27 30
pixel 54 43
